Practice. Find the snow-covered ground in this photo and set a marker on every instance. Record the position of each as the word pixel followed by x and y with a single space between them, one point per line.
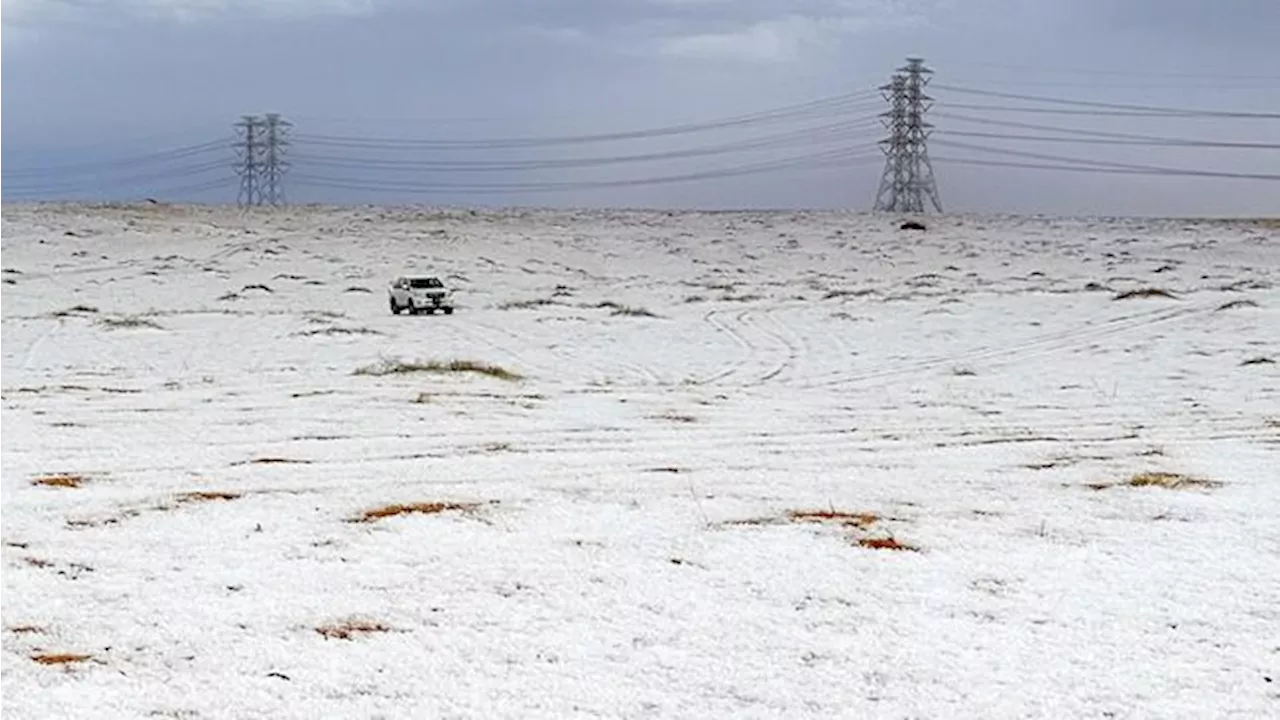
pixel 631 538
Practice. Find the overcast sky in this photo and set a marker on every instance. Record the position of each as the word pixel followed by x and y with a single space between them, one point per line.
pixel 87 80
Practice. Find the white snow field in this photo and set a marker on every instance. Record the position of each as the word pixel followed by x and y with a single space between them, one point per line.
pixel 843 470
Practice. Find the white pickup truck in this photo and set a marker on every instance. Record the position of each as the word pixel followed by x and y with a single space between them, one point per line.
pixel 419 294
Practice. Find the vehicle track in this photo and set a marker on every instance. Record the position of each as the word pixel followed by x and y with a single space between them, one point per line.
pixel 1044 344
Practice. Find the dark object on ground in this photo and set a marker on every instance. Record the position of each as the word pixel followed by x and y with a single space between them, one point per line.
pixel 912 225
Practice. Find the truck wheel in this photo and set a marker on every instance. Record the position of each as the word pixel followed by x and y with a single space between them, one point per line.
pixel 448 311
pixel 431 311
pixel 395 309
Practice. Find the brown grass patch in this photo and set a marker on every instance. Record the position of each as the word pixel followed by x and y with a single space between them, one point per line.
pixel 60 658
pixel 63 481
pixel 426 508
pixel 1145 293
pixel 25 629
pixel 676 417
pixel 346 629
pixel 888 543
pixel 207 496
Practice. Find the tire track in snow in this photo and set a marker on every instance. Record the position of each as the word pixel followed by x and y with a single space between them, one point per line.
pixel 1045 344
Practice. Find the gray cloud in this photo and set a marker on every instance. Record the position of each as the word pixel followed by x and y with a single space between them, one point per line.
pixel 91 80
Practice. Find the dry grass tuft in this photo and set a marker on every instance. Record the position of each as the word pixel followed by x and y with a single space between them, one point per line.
pixel 1167 480
pixel 626 310
pixel 129 322
pixel 76 310
pixel 426 508
pixel 527 304
pixel 1236 304
pixel 861 520
pixel 338 331
pixel 64 481
pixel 1260 360
pixel 398 367
pixel 60 658
pixel 676 418
pixel 1145 293
pixel 208 495
pixel 1173 481
pixel 346 629
pixel 25 629
pixel 888 543
pixel 277 461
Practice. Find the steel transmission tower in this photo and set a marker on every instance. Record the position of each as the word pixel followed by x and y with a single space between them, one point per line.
pixel 260 159
pixel 275 142
pixel 248 164
pixel 908 174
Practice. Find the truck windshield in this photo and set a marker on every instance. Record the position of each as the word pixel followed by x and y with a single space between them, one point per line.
pixel 425 283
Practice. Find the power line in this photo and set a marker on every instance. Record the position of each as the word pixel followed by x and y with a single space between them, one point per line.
pixel 1171 142
pixel 815 160
pixel 1169 172
pixel 1022 69
pixel 805 136
pixel 1086 163
pixel 1114 106
pixel 810 109
pixel 101 167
